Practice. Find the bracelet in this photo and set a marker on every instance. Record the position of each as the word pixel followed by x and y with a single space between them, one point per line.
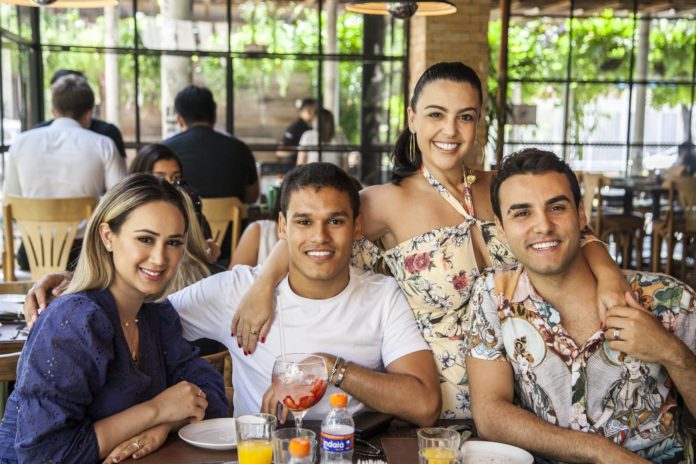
pixel 341 374
pixel 335 366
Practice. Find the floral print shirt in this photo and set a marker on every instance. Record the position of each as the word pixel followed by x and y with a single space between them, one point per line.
pixel 436 271
pixel 588 388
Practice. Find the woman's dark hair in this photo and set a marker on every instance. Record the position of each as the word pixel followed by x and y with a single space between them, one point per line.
pixel 148 155
pixel 327 126
pixel 448 71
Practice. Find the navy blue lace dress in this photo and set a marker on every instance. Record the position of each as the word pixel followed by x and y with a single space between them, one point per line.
pixel 76 369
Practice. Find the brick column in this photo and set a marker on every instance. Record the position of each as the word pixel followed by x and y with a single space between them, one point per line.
pixel 462 36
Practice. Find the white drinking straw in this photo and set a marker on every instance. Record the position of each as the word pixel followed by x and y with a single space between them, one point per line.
pixel 282 327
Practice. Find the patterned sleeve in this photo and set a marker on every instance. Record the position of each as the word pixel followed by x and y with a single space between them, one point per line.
pixel 183 363
pixel 485 339
pixel 64 361
pixel 367 256
pixel 685 328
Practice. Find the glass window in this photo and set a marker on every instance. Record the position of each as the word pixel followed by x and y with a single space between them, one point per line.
pixel 97 27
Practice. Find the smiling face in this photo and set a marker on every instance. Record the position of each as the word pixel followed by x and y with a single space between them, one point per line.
pixel 320 229
pixel 445 121
pixel 146 250
pixel 167 169
pixel 540 222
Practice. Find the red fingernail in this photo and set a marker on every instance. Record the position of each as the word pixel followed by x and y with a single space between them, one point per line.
pixel 263 339
pixel 233 334
pixel 239 345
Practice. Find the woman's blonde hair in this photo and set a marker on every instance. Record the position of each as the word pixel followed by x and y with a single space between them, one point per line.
pixel 194 265
pixel 95 267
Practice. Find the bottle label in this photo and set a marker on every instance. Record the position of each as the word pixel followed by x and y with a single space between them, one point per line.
pixel 336 443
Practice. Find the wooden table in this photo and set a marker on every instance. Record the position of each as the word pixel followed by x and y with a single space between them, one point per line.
pixel 399 442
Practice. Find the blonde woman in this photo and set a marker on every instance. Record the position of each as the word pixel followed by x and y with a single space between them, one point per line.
pixel 105 373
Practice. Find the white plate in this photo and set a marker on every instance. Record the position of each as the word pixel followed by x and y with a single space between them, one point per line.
pixel 490 452
pixel 12 297
pixel 216 434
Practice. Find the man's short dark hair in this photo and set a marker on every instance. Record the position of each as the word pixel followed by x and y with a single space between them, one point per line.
pixel 531 161
pixel 306 103
pixel 319 175
pixel 71 96
pixel 65 72
pixel 195 104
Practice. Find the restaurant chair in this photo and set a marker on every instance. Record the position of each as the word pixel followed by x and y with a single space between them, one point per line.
pixel 222 362
pixel 678 226
pixel 612 225
pixel 221 213
pixel 47 227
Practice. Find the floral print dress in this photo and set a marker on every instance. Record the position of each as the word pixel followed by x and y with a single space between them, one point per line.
pixel 436 271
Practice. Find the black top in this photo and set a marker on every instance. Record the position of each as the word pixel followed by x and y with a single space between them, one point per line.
pixel 214 164
pixel 102 128
pixel 292 135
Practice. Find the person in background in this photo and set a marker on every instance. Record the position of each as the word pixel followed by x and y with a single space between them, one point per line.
pixel 545 372
pixel 687 158
pixel 96 125
pixel 105 374
pixel 217 165
pixel 307 112
pixel 64 159
pixel 327 135
pixel 431 228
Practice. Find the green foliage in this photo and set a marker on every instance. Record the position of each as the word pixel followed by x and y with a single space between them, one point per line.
pixel 601 48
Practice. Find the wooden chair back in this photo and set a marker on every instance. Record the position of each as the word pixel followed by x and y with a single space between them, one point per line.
pixel 222 213
pixel 686 192
pixel 48 227
pixel 592 198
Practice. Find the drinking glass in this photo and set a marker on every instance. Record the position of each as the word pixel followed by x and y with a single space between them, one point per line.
pixel 254 435
pixel 281 443
pixel 438 445
pixel 300 381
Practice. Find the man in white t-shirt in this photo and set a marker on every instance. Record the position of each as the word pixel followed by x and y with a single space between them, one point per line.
pixel 359 322
pixel 326 308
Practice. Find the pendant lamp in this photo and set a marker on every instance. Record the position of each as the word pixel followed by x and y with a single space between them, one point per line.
pixel 402 9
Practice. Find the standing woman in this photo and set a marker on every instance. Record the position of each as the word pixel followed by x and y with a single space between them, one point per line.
pixel 105 373
pixel 432 227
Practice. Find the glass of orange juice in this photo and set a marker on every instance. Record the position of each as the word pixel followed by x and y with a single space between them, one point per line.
pixel 438 445
pixel 254 438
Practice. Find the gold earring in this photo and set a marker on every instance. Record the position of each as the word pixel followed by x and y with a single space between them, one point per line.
pixel 412 149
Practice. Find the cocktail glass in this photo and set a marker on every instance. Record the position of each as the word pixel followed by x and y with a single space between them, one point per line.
pixel 299 381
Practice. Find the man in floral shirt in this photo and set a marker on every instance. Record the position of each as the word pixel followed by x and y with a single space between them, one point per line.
pixel 543 367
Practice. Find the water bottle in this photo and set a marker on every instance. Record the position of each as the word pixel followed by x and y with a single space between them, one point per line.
pixel 337 432
pixel 299 451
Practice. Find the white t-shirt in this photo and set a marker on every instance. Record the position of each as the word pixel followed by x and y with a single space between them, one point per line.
pixel 62 160
pixel 311 138
pixel 368 323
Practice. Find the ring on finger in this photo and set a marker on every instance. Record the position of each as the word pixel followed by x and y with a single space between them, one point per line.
pixel 137 445
pixel 200 392
pixel 617 334
pixel 253 332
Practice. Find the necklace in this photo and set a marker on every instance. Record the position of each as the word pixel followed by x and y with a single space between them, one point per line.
pixel 468 202
pixel 131 339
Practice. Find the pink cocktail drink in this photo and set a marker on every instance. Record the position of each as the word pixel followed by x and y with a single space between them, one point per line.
pixel 299 382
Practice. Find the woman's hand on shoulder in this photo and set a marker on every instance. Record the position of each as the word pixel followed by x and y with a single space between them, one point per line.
pixel 140 445
pixel 183 401
pixel 252 320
